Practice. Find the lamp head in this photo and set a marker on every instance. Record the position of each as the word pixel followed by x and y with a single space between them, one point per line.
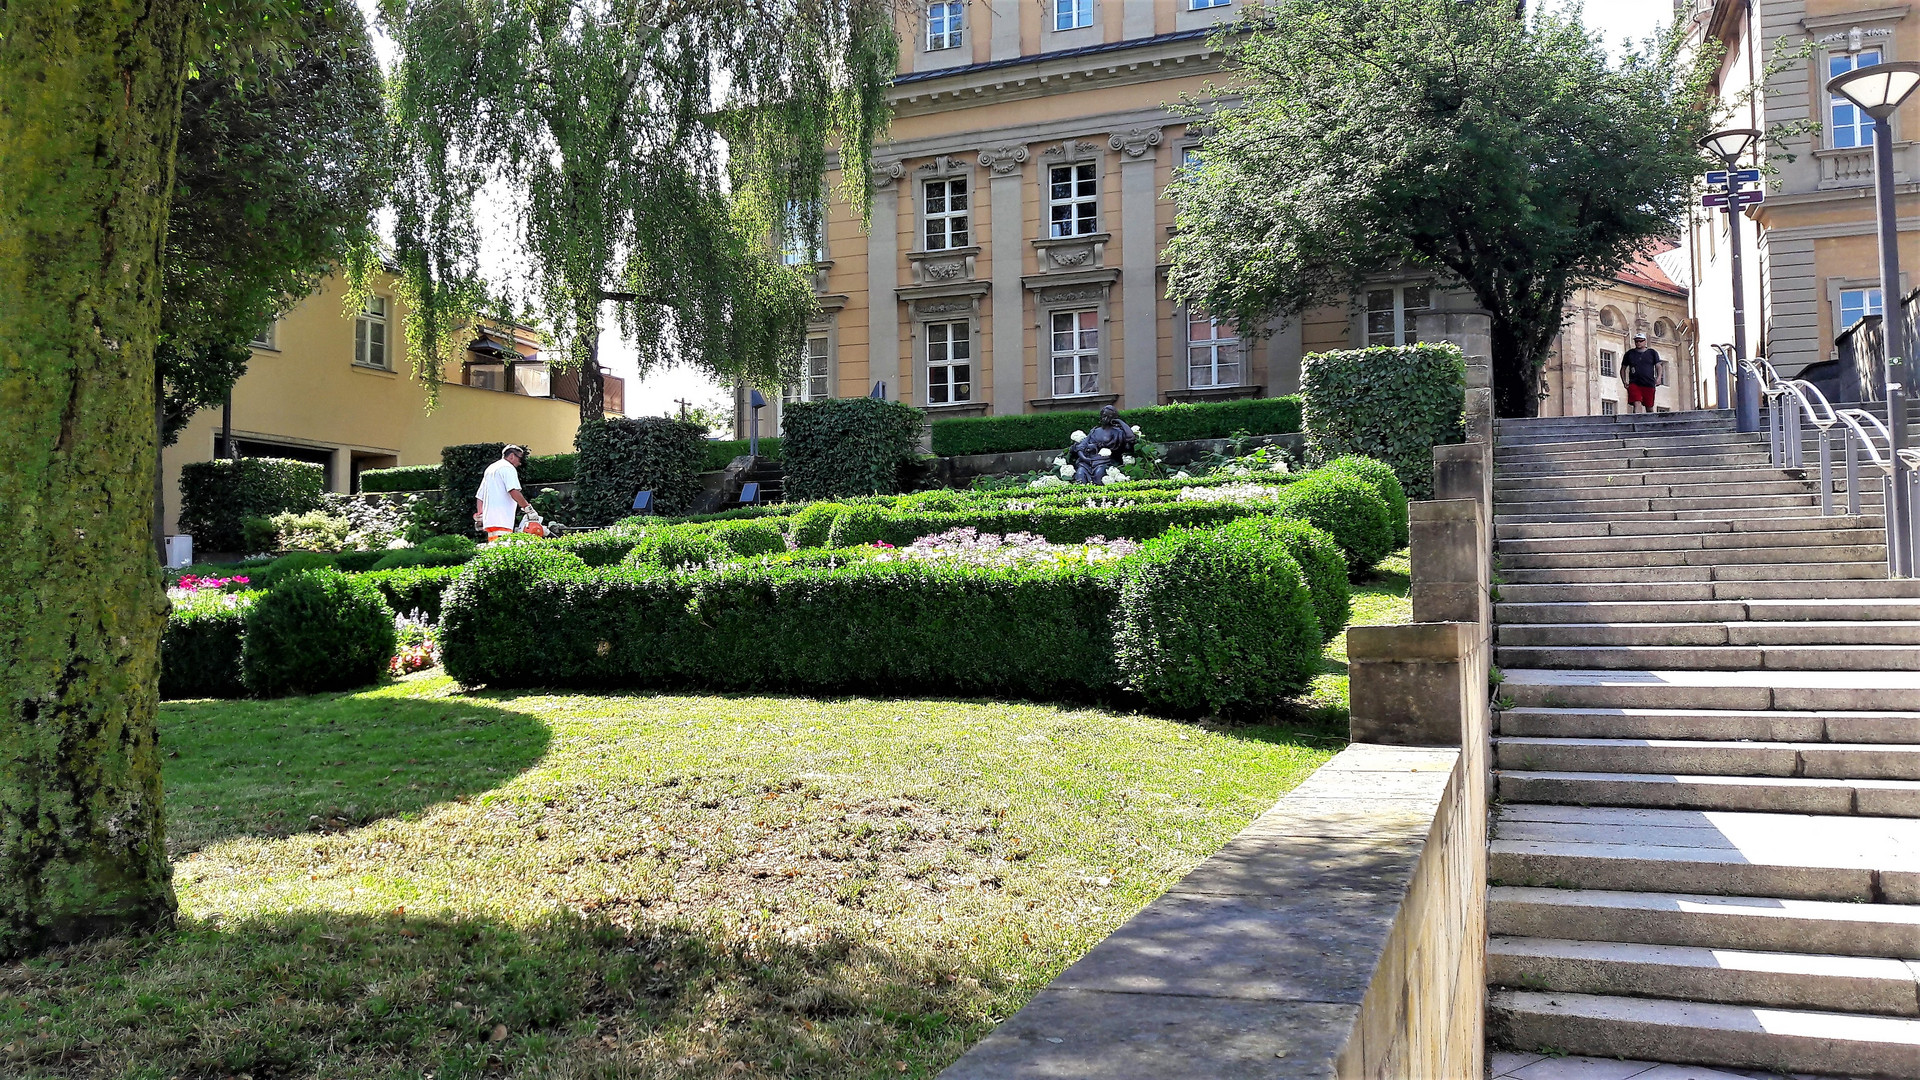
pixel 1730 145
pixel 757 400
pixel 1878 89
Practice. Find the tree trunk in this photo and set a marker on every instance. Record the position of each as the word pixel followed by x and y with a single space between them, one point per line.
pixel 89 109
pixel 586 352
pixel 1513 372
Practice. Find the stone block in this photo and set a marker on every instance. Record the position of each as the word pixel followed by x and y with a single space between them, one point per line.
pixel 1415 684
pixel 1450 561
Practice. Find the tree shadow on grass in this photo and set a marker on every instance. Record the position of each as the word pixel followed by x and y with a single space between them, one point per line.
pixel 309 993
pixel 330 761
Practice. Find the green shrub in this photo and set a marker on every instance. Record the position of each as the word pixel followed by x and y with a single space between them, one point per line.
pixel 315 530
pixel 847 446
pixel 358 562
pixel 552 505
pixel 1216 620
pixel 1320 561
pixel 721 452
pixel 1391 404
pixel 548 469
pixel 599 548
pixel 200 647
pixel 812 525
pixel 749 538
pixel 404 478
pixel 1158 423
pixel 216 497
pixel 316 630
pixel 622 456
pixel 859 525
pixel 1380 475
pixel 409 589
pixel 259 534
pixel 676 546
pixel 286 565
pixel 1348 509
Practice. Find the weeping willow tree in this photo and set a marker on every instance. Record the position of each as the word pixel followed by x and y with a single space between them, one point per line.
pixel 646 151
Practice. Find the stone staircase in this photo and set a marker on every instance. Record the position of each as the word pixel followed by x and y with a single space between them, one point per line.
pixel 1706 845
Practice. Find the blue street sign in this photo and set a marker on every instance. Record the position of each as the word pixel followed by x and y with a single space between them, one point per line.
pixel 1747 176
pixel 1717 178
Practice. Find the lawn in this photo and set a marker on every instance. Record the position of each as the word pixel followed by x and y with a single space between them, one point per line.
pixel 416 882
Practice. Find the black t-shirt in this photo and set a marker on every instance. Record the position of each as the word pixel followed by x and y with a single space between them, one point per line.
pixel 1642 367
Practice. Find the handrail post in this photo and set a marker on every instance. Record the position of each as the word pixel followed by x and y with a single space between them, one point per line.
pixel 1798 439
pixel 1853 476
pixel 1896 533
pixel 1826 473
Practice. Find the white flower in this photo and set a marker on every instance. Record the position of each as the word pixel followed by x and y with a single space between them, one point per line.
pixel 1126 459
pixel 1106 451
pixel 1066 472
pixel 1059 461
pixel 1136 431
pixel 1077 436
pixel 1181 475
pixel 1113 476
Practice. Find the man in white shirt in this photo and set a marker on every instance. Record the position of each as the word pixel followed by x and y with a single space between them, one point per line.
pixel 499 495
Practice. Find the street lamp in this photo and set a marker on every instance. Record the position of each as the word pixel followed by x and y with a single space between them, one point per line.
pixel 1878 90
pixel 1730 146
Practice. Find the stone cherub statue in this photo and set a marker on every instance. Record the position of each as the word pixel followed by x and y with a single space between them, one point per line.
pixel 1102 448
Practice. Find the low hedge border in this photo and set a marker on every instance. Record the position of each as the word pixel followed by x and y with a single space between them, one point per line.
pixel 1158 423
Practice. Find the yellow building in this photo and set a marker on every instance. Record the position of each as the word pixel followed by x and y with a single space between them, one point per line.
pixel 1582 373
pixel 330 383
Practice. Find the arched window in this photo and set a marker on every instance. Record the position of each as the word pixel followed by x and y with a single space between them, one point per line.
pixel 1609 318
pixel 1662 329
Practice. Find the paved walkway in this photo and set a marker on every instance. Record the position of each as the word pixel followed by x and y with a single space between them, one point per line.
pixel 1510 1066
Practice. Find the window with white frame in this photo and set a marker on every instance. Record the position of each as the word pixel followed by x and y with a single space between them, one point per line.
pixel 1857 304
pixel 1072 14
pixel 1609 407
pixel 799 242
pixel 1606 363
pixel 268 337
pixel 946 214
pixel 1202 5
pixel 1076 352
pixel 1847 126
pixel 949 362
pixel 943 26
pixel 1391 313
pixel 1073 200
pixel 813 373
pixel 1213 352
pixel 370 334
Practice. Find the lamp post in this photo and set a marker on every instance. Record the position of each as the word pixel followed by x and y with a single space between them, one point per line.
pixel 755 401
pixel 1730 146
pixel 1878 90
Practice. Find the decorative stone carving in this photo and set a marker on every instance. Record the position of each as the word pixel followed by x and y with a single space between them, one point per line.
pixel 884 174
pixel 1137 142
pixel 948 271
pixel 944 165
pixel 1070 256
pixel 1070 294
pixel 943 307
pixel 1004 160
pixel 1073 149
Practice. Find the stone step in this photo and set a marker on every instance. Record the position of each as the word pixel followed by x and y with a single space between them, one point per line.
pixel 1512 467
pixel 1754 516
pixel 1703 757
pixel 1671 592
pixel 1600 442
pixel 1690 540
pixel 1612 506
pixel 1629 554
pixel 1599 527
pixel 1781 725
pixel 1639 476
pixel 1750 794
pixel 1729 1036
pixel 1847 691
pixel 1723 853
pixel 1710 634
pixel 1835 658
pixel 1763 571
pixel 1773 612
pixel 1509 492
pixel 1711 922
pixel 1878 986
pixel 1634 422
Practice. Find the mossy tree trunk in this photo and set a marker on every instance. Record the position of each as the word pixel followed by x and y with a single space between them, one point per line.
pixel 89 106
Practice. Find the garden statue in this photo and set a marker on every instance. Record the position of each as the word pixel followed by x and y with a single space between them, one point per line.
pixel 1102 448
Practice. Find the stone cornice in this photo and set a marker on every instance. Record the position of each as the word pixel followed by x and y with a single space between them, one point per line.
pixel 1154 60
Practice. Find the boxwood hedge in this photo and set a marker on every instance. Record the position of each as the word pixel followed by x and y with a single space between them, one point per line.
pixel 217 497
pixel 316 630
pixel 1158 423
pixel 621 456
pixel 1392 404
pixel 847 446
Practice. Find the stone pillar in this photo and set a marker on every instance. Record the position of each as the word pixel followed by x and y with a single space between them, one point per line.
pixel 1455 317
pixel 1417 684
pixel 883 276
pixel 1450 571
pixel 1007 188
pixel 1139 265
pixel 1465 471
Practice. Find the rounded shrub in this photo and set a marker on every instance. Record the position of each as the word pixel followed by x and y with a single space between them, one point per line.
pixel 358 562
pixel 435 551
pixel 1380 475
pixel 316 630
pixel 858 525
pixel 1350 511
pixel 811 526
pixel 749 538
pixel 1321 563
pixel 1215 620
pixel 675 546
pixel 297 562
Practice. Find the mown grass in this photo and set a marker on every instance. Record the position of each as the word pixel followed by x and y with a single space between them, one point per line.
pixel 416 882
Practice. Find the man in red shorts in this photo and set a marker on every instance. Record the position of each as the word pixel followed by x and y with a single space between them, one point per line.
pixel 1640 370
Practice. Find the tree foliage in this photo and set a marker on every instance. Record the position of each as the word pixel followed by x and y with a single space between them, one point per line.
pixel 279 169
pixel 1507 155
pixel 649 149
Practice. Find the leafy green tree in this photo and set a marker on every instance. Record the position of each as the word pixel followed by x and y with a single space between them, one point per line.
pixel 1504 154
pixel 280 167
pixel 648 150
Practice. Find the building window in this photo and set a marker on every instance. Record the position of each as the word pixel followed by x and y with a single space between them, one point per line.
pixel 799 243
pixel 1213 353
pixel 1609 407
pixel 1072 14
pixel 943 26
pixel 1857 304
pixel 370 334
pixel 1608 319
pixel 1606 363
pixel 949 362
pixel 1073 200
pixel 1391 314
pixel 1202 5
pixel 268 337
pixel 1849 126
pixel 1662 329
pixel 813 373
pixel 1076 353
pixel 947 214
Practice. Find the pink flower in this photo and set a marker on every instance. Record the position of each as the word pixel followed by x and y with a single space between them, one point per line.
pixel 239 581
